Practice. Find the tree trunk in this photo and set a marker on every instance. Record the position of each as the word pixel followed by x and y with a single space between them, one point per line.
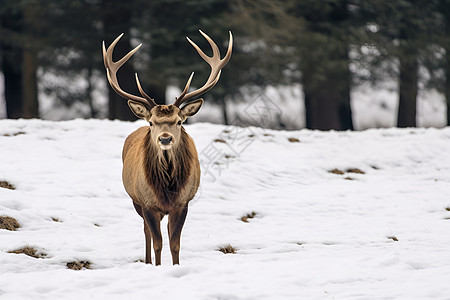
pixel 325 73
pixel 89 90
pixel 447 84
pixel 12 64
pixel 407 91
pixel 223 104
pixel 12 72
pixel 117 19
pixel 29 83
pixel 327 97
pixel 446 12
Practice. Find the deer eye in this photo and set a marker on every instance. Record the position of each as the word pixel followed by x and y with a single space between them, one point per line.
pixel 179 123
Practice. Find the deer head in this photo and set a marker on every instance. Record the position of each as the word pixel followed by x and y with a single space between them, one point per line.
pixel 166 120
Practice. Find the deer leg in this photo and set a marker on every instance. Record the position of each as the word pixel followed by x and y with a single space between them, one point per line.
pixel 153 219
pixel 147 233
pixel 148 243
pixel 175 225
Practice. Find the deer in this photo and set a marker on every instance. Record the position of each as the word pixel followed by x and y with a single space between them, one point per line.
pixel 161 169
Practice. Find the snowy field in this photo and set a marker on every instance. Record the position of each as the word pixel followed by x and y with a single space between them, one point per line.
pixel 380 230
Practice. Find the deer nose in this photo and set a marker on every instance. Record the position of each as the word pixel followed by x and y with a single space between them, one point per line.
pixel 165 140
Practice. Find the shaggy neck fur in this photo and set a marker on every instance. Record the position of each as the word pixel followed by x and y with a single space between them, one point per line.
pixel 167 171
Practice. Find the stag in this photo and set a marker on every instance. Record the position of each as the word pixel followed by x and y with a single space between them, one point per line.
pixel 161 170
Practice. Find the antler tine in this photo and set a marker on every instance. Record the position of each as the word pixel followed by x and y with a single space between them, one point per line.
pixel 144 94
pixel 214 61
pixel 111 73
pixel 186 88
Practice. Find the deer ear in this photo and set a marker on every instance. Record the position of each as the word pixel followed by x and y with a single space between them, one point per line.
pixel 140 110
pixel 191 109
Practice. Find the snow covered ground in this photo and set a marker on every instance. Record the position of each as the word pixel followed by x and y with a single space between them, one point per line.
pixel 315 235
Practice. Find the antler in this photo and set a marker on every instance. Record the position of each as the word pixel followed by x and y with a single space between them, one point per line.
pixel 111 73
pixel 216 66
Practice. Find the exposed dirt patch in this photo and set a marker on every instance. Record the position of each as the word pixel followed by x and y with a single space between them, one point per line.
pixel 9 223
pixel 6 185
pixel 219 141
pixel 30 251
pixel 228 249
pixel 393 237
pixel 355 170
pixel 293 140
pixel 14 134
pixel 78 265
pixel 349 170
pixel 56 220
pixel 248 216
pixel 447 208
pixel 336 171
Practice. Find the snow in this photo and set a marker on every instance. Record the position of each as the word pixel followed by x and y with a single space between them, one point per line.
pixel 316 235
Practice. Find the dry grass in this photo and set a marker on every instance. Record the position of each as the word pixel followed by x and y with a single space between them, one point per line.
pixel 6 185
pixel 248 216
pixel 349 170
pixel 220 141
pixel 355 170
pixel 293 140
pixel 78 265
pixel 14 134
pixel 9 223
pixel 228 249
pixel 336 171
pixel 447 208
pixel 393 237
pixel 30 251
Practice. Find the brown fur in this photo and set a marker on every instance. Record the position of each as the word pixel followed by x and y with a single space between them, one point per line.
pixel 161 171
pixel 160 182
pixel 168 174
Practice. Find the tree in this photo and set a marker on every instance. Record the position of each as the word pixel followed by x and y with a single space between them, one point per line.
pixel 324 64
pixel 310 38
pixel 404 31
pixel 444 8
pixel 117 16
pixel 19 60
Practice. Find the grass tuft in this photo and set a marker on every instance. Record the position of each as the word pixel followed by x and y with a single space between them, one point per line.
pixel 248 216
pixel 336 171
pixel 30 251
pixel 14 134
pixel 393 237
pixel 228 249
pixel 355 170
pixel 293 140
pixel 6 185
pixel 78 265
pixel 9 223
